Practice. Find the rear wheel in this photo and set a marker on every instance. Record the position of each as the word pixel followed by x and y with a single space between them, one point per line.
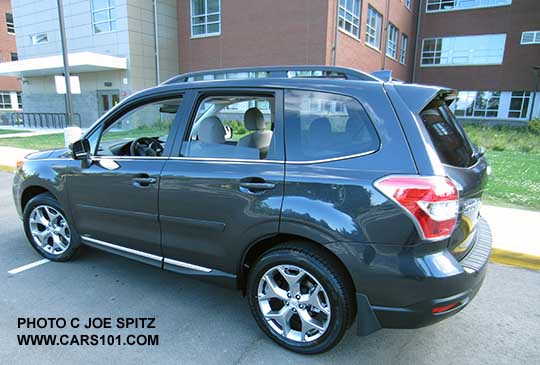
pixel 48 229
pixel 300 298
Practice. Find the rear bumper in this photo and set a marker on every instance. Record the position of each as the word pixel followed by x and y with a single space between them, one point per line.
pixel 472 270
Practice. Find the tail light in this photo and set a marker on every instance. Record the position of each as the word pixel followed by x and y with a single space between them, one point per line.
pixel 432 202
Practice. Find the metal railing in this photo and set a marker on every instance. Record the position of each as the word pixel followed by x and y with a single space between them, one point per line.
pixel 43 120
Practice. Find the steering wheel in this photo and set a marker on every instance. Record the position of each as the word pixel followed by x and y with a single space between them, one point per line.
pixel 146 146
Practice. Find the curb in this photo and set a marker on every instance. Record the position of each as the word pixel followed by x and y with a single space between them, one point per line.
pixel 512 258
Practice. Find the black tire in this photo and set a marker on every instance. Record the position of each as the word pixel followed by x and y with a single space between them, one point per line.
pixel 328 272
pixel 74 246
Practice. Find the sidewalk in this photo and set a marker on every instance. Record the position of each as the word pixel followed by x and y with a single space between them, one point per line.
pixel 10 155
pixel 515 237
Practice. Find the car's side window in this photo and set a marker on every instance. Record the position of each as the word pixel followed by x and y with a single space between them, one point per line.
pixel 142 131
pixel 233 127
pixel 322 126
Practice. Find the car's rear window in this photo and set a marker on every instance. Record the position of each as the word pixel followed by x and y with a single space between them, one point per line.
pixel 321 126
pixel 447 135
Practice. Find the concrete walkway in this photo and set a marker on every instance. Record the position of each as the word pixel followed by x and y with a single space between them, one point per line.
pixel 10 155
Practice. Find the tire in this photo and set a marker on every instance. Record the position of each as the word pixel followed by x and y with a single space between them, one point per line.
pixel 48 230
pixel 283 265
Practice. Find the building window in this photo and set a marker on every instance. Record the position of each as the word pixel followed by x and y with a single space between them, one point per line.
pixel 14 56
pixel 447 5
pixel 482 104
pixel 10 24
pixel 519 104
pixel 205 18
pixel 19 100
pixel 349 16
pixel 5 100
pixel 403 50
pixel 39 38
pixel 373 28
pixel 530 37
pixel 468 50
pixel 104 15
pixel 392 37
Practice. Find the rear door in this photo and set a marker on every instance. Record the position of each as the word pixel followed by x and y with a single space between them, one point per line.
pixel 463 163
pixel 219 193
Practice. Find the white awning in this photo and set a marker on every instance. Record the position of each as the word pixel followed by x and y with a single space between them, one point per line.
pixel 53 65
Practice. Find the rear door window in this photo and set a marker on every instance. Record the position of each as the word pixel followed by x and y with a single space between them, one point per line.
pixel 447 136
pixel 321 126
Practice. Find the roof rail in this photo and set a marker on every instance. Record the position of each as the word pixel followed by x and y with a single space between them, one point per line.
pixel 314 71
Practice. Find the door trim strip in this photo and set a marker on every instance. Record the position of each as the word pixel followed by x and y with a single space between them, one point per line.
pixel 148 255
pixel 123 249
pixel 186 265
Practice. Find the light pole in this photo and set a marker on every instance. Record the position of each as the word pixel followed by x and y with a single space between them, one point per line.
pixel 69 102
pixel 536 69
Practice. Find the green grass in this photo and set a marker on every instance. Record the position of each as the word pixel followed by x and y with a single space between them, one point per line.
pixel 42 142
pixel 4 168
pixel 11 131
pixel 514 156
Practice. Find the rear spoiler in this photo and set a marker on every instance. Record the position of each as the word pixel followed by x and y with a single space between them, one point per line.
pixel 385 76
pixel 418 97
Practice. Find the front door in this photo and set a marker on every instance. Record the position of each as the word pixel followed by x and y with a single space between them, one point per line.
pixel 107 99
pixel 114 200
pixel 219 192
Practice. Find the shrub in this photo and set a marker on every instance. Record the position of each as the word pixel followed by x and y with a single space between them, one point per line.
pixel 534 126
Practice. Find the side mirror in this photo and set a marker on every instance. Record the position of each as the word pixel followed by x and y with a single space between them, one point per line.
pixel 80 149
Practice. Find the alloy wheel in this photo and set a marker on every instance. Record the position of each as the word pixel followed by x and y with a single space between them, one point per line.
pixel 293 303
pixel 49 229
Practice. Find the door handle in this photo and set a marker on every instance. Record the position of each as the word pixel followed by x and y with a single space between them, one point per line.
pixel 255 184
pixel 143 180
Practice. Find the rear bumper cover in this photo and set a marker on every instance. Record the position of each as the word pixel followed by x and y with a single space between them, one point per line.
pixel 473 269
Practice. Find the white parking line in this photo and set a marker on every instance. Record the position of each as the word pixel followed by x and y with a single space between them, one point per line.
pixel 29 266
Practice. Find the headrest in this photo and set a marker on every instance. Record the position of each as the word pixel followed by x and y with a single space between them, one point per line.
pixel 254 120
pixel 211 130
pixel 320 127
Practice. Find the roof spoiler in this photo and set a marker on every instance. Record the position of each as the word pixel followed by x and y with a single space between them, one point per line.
pixel 383 75
pixel 419 96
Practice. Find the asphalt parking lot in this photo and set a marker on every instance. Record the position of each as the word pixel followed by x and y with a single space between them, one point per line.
pixel 201 323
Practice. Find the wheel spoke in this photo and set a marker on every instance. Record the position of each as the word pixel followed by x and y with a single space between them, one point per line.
pixel 309 323
pixel 313 299
pixel 282 317
pixel 40 218
pixel 42 236
pixel 293 280
pixel 272 289
pixel 57 243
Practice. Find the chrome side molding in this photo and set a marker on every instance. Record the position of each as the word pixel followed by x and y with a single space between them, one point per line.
pixel 186 265
pixel 147 255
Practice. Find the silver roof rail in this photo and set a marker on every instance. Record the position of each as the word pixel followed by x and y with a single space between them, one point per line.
pixel 314 71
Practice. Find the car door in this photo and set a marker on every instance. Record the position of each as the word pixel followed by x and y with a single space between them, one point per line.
pixel 217 195
pixel 114 196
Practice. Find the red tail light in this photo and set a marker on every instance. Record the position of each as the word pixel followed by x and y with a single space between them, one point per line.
pixel 432 202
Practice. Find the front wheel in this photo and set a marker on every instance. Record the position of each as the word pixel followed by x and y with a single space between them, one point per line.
pixel 300 298
pixel 48 229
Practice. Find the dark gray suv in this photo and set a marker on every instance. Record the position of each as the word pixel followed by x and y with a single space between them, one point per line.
pixel 328 196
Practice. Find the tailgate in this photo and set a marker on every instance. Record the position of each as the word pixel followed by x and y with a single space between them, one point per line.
pixel 464 163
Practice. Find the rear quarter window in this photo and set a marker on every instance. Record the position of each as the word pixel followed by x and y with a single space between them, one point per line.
pixel 447 135
pixel 322 126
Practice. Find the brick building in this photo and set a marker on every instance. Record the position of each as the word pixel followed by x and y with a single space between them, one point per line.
pixel 10 87
pixel 484 48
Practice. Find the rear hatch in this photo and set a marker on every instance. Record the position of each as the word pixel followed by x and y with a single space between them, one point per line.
pixel 464 163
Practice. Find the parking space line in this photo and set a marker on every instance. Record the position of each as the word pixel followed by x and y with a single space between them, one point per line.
pixel 28 266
